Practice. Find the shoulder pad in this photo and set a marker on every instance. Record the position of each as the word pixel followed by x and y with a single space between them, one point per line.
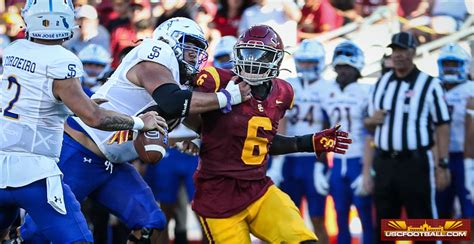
pixel 68 66
pixel 286 93
pixel 212 79
pixel 156 51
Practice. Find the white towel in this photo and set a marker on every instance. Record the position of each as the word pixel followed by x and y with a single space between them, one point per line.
pixel 55 194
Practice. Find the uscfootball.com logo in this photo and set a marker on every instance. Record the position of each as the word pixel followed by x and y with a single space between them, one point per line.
pixel 426 229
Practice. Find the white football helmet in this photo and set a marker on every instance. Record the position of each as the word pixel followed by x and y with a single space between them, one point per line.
pixel 311 51
pixel 94 54
pixel 179 31
pixel 49 20
pixel 458 74
pixel 225 47
pixel 349 53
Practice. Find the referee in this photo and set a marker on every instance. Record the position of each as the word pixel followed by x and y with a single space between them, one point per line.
pixel 411 122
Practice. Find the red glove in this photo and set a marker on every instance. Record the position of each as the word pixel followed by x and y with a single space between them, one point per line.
pixel 331 140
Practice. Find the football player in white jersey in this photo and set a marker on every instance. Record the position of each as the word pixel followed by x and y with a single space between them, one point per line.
pixel 300 175
pixel 149 77
pixel 179 164
pixel 39 86
pixel 453 66
pixel 346 104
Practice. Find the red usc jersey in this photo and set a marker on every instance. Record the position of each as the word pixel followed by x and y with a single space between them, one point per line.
pixel 234 147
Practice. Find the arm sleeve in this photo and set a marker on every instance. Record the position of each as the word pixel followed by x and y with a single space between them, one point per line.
pixel 438 106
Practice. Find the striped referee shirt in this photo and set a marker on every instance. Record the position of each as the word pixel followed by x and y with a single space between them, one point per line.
pixel 413 105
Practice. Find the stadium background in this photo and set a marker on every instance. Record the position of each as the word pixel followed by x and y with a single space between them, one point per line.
pixel 369 23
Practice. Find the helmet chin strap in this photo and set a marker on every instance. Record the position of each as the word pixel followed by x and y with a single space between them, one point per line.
pixel 255 83
pixel 186 74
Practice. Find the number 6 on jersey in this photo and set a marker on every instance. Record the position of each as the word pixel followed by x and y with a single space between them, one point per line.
pixel 255 147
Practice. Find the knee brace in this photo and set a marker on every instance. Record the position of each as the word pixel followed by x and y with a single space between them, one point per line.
pixel 144 239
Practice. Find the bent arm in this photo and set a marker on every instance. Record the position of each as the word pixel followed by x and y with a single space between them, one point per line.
pixel 70 92
pixel 174 102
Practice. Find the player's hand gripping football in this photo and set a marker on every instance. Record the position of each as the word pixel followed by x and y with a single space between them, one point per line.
pixel 153 121
pixel 331 140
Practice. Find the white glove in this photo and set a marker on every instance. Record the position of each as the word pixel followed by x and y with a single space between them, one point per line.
pixel 358 186
pixel 320 179
pixel 275 171
pixel 469 176
pixel 234 91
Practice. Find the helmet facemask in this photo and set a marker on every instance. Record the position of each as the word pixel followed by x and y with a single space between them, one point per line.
pixel 452 70
pixel 308 69
pixel 257 63
pixel 191 52
pixel 348 53
pixel 93 72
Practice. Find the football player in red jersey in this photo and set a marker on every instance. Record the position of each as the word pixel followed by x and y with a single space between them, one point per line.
pixel 233 196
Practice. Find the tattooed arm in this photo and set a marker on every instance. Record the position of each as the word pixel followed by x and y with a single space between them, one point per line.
pixel 70 92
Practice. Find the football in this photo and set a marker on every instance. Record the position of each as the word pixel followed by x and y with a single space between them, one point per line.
pixel 151 146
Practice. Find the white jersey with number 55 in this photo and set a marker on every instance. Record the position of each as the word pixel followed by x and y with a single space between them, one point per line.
pixel 348 108
pixel 32 119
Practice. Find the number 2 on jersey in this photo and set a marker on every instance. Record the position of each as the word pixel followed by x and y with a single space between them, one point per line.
pixel 255 147
pixel 12 81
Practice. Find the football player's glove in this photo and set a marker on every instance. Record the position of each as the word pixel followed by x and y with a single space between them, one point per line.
pixel 275 171
pixel 331 140
pixel 358 186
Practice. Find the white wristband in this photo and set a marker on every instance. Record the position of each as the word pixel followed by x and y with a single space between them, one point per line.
pixel 222 99
pixel 138 123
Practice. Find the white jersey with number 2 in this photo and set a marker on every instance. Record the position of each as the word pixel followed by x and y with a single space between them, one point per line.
pixel 32 119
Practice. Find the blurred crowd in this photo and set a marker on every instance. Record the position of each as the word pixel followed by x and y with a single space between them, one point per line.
pixel 117 24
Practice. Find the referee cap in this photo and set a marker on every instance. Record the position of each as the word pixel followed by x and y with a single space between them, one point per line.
pixel 404 40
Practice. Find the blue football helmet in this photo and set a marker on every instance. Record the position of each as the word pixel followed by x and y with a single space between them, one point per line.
pixel 225 47
pixel 453 74
pixel 348 53
pixel 98 55
pixel 309 51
